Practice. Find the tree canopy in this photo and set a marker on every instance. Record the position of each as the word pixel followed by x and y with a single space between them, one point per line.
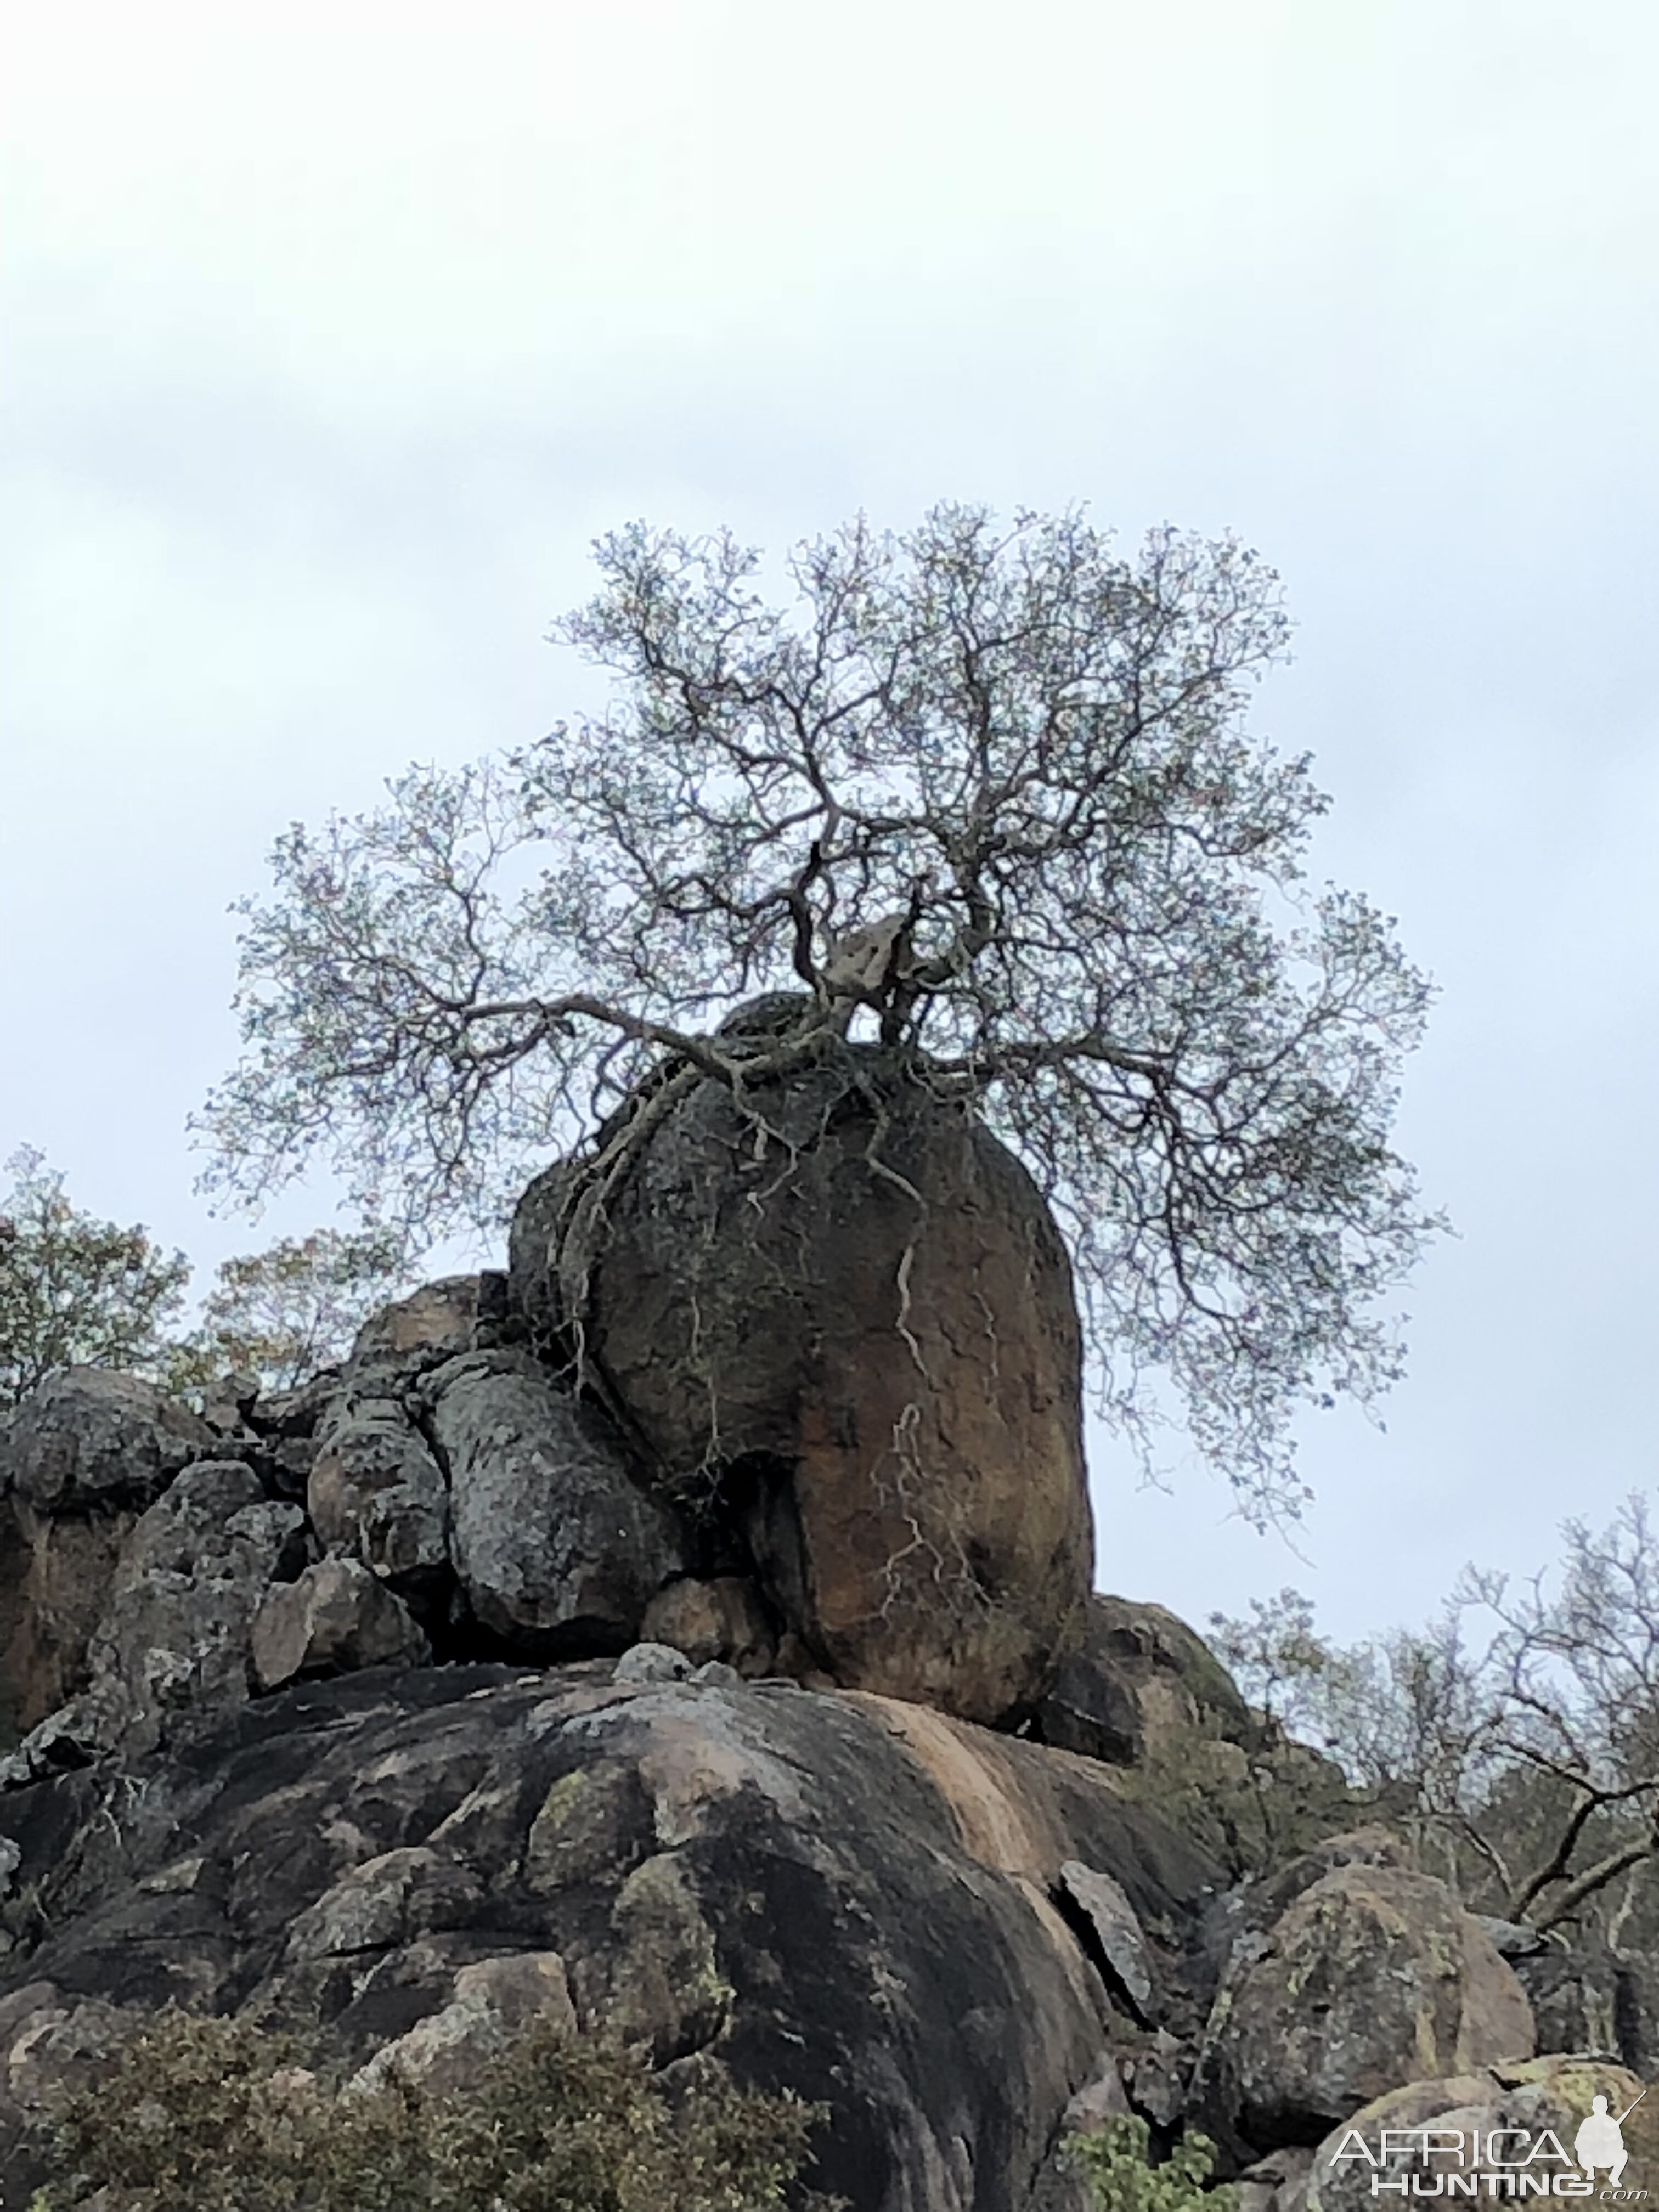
pixel 1519 1731
pixel 73 1289
pixel 78 1292
pixel 283 1313
pixel 985 792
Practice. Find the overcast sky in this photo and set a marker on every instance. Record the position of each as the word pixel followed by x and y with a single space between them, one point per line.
pixel 334 335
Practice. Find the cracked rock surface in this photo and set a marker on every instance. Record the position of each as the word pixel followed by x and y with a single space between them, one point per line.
pixel 839 1894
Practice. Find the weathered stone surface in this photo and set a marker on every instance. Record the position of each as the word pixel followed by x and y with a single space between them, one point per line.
pixel 492 2000
pixel 55 1576
pixel 534 1293
pixel 1574 1991
pixel 1139 1682
pixel 1373 1977
pixel 557 1550
pixel 88 1440
pixel 856 1307
pixel 438 1322
pixel 338 1615
pixel 171 1647
pixel 1587 1997
pixel 719 1618
pixel 376 1492
pixel 1554 2092
pixel 79 1460
pixel 173 1640
pixel 1121 1938
pixel 652 1663
pixel 840 1895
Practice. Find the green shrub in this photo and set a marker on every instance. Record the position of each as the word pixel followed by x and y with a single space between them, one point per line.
pixel 1113 2160
pixel 201 2115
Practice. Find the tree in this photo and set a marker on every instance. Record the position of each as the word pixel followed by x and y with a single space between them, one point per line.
pixel 73 1289
pixel 283 1313
pixel 1522 1728
pixel 984 792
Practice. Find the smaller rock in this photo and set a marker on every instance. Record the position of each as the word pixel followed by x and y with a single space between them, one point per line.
pixel 228 1401
pixel 436 1322
pixel 76 1735
pixel 171 1647
pixel 1556 2092
pixel 664 1986
pixel 1156 2079
pixel 1371 1971
pixel 1098 2101
pixel 557 1550
pixel 1117 1927
pixel 494 1999
pixel 718 1618
pixel 651 1662
pixel 1512 1939
pixel 1139 1682
pixel 376 1492
pixel 339 1616
pixel 715 1674
pixel 383 1902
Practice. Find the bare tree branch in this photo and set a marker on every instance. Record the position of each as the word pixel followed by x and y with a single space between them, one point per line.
pixel 1025 754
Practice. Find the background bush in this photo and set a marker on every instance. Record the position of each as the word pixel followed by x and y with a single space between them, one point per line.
pixel 204 2115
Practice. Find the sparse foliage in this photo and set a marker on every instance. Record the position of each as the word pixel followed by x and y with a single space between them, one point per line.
pixel 1520 1731
pixel 985 792
pixel 285 1312
pixel 203 2115
pixel 1113 2158
pixel 78 1292
pixel 75 1290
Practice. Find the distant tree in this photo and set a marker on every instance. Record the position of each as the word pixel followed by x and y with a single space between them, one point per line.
pixel 283 1313
pixel 984 792
pixel 1521 1730
pixel 73 1289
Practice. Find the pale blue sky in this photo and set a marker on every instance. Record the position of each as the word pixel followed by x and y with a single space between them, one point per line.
pixel 331 340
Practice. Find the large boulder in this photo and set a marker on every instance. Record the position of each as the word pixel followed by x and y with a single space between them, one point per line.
pixel 376 1490
pixel 839 1312
pixel 80 1459
pixel 88 1440
pixel 172 1648
pixel 557 1549
pixel 338 1616
pixel 1372 1977
pixel 854 1899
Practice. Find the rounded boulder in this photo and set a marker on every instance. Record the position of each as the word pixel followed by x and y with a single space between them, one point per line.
pixel 837 1313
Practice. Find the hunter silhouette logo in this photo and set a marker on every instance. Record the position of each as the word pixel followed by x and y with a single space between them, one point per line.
pixel 1509 2162
pixel 1601 2140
